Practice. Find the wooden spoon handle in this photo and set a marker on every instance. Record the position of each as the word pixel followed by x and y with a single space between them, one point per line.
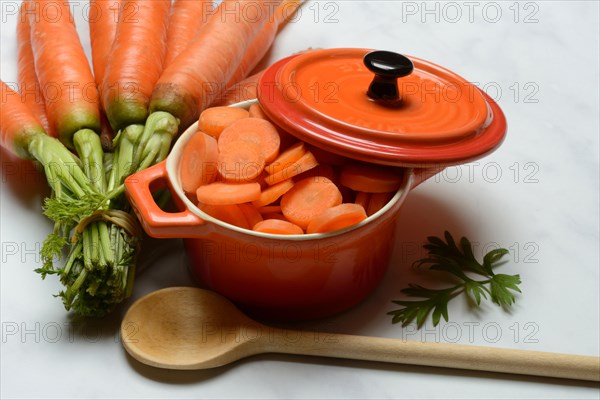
pixel 445 355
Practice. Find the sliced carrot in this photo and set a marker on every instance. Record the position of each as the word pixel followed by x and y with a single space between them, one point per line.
pixel 251 214
pixel 273 193
pixel 214 119
pixel 278 227
pixel 241 161
pixel 198 162
pixel 270 210
pixel 255 130
pixel 377 201
pixel 219 193
pixel 336 218
pixel 370 178
pixel 261 180
pixel 309 198
pixel 362 199
pixel 305 163
pixel 286 158
pixel 256 111
pixel 229 213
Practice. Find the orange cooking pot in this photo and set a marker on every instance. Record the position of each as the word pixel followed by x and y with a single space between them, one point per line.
pixel 377 107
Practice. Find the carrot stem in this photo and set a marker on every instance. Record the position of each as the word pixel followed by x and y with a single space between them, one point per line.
pixel 87 249
pixel 159 130
pixel 75 252
pixel 74 288
pixel 88 146
pixel 58 163
pixel 105 243
pixel 125 145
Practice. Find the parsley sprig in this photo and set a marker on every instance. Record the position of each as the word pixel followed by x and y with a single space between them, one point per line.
pixel 459 261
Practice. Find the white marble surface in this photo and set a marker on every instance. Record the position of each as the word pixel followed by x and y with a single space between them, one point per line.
pixel 537 195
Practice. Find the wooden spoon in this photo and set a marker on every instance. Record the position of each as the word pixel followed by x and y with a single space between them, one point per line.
pixel 192 328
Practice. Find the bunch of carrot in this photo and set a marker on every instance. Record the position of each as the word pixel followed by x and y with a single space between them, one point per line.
pixel 156 66
pixel 243 171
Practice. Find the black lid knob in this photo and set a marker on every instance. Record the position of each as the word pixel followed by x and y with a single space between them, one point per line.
pixel 387 67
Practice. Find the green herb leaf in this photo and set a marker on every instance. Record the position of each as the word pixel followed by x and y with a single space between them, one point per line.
pixel 458 261
pixel 493 257
pixel 476 291
pixel 501 286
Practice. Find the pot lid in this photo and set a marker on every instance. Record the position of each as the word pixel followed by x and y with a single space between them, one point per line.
pixel 381 107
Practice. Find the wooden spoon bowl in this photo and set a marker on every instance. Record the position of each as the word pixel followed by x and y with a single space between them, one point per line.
pixel 186 328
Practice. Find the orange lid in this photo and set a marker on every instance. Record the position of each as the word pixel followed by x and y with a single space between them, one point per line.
pixel 381 107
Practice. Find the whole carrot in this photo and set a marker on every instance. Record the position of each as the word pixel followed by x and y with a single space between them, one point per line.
pixel 103 17
pixel 265 38
pixel 63 70
pixel 29 86
pixel 100 267
pixel 187 16
pixel 246 89
pixel 18 124
pixel 103 277
pixel 135 62
pixel 199 74
pixel 187 85
pixel 95 276
pixel 240 91
pixel 23 135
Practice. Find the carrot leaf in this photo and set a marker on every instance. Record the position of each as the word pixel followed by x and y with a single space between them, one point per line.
pixel 68 210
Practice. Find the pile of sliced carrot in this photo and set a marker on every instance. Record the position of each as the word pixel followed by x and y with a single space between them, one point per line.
pixel 238 171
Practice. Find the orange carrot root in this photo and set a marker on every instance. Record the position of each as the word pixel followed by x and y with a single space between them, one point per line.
pixel 29 85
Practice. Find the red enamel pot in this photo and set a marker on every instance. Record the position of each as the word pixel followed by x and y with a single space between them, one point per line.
pixel 317 275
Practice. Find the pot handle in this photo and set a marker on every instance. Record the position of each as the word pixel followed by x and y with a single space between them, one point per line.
pixel 156 222
pixel 420 175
